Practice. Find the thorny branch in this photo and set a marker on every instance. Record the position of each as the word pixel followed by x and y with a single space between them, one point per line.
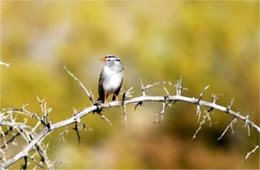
pixel 10 127
pixel 8 119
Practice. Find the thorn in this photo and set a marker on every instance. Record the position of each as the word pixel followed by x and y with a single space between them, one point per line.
pixel 138 104
pixel 77 131
pixel 230 104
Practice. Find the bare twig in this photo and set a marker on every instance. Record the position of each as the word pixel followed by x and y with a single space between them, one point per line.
pixel 89 94
pixel 10 140
pixel 25 163
pixel 5 64
pixel 105 118
pixel 142 87
pixel 76 130
pixel 61 135
pixel 229 126
pixel 179 87
pixel 126 94
pixel 198 112
pixel 246 123
pixel 200 127
pixel 252 151
pixel 230 104
pixel 202 93
pixel 160 115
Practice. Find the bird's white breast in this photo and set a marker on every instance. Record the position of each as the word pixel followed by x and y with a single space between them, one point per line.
pixel 111 80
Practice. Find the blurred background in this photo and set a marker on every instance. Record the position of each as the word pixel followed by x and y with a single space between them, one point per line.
pixel 212 43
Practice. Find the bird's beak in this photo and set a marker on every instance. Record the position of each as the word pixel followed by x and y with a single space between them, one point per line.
pixel 103 59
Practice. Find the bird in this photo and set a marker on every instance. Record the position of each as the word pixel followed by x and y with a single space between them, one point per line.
pixel 111 78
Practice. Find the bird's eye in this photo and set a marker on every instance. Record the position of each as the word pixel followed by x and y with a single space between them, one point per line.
pixel 108 60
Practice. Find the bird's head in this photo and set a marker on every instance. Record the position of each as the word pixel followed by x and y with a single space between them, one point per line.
pixel 112 61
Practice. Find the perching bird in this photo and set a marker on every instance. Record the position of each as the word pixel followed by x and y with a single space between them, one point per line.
pixel 111 78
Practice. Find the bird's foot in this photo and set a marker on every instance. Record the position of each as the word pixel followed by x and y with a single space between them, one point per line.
pixel 119 102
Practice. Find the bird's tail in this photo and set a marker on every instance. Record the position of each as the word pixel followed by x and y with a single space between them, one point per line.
pixel 101 99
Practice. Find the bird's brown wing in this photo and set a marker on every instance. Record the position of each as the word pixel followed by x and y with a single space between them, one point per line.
pixel 100 89
pixel 117 91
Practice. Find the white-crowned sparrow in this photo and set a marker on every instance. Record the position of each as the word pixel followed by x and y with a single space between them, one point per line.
pixel 111 78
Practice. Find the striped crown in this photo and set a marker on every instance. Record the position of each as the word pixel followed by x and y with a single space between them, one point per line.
pixel 112 57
